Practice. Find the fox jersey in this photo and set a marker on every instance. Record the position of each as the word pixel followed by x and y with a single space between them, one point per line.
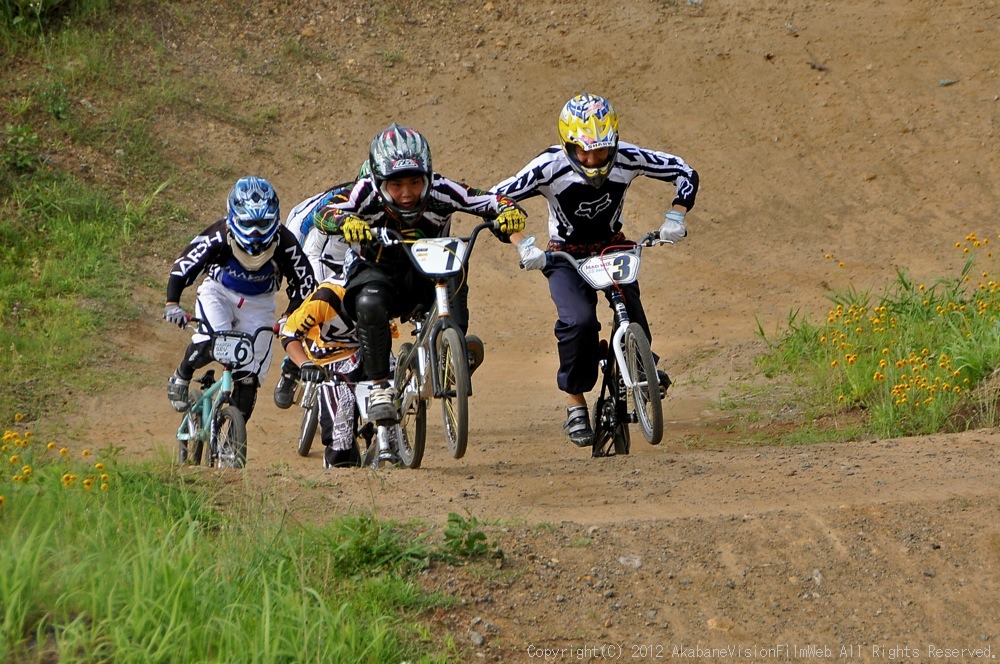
pixel 210 253
pixel 321 325
pixel 581 214
pixel 445 198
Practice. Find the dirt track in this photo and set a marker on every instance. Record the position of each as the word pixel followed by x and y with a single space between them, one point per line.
pixel 862 129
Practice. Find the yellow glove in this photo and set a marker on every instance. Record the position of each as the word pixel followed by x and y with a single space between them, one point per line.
pixel 511 220
pixel 355 229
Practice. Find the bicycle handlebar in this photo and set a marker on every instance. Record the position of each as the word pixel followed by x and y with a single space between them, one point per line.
pixel 193 322
pixel 650 239
pixel 388 237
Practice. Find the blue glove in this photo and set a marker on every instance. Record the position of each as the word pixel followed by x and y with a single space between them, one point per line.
pixel 532 258
pixel 172 313
pixel 311 372
pixel 673 229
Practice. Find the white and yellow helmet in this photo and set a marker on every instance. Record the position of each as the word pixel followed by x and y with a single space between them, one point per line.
pixel 590 122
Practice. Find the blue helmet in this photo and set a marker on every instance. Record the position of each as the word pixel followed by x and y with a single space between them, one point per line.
pixel 253 218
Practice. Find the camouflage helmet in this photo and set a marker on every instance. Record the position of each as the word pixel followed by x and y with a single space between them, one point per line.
pixel 400 152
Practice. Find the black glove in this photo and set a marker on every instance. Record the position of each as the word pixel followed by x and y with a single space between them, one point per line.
pixel 311 372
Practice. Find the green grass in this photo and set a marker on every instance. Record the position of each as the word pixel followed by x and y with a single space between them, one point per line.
pixel 915 359
pixel 104 562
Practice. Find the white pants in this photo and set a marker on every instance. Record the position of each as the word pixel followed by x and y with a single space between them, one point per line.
pixel 227 310
pixel 336 406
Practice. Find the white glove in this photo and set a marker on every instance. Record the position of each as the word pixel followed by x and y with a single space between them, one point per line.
pixel 532 258
pixel 673 229
pixel 172 313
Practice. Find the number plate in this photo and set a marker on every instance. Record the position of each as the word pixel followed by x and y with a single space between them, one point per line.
pixel 621 267
pixel 232 351
pixel 439 256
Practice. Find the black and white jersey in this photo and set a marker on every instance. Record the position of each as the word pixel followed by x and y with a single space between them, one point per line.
pixel 445 198
pixel 210 253
pixel 581 214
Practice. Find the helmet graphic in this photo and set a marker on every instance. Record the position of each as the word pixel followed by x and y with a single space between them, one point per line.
pixel 399 152
pixel 252 217
pixel 590 123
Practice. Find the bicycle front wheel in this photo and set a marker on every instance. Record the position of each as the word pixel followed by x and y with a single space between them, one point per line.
pixel 411 433
pixel 310 420
pixel 645 391
pixel 229 438
pixel 453 371
pixel 189 451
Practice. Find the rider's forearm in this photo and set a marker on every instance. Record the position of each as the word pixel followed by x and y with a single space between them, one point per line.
pixel 295 351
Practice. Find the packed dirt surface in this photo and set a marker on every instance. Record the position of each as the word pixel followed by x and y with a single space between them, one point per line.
pixel 862 130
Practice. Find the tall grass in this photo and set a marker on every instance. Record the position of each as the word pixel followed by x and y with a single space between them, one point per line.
pixel 103 562
pixel 918 358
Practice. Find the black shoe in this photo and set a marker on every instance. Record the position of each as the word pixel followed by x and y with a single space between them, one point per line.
pixel 177 392
pixel 284 391
pixel 577 426
pixel 349 458
pixel 476 352
pixel 665 382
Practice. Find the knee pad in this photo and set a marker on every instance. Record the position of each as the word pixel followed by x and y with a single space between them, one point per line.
pixel 372 305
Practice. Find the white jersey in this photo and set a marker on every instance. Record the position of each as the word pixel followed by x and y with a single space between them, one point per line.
pixel 326 253
pixel 581 214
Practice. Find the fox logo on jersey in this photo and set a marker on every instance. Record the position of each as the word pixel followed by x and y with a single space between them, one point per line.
pixel 591 209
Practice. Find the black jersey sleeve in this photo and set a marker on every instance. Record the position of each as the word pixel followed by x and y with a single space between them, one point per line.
pixel 196 258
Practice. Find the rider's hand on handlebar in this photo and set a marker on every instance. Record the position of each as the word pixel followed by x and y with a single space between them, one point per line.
pixel 311 372
pixel 511 220
pixel 173 313
pixel 356 229
pixel 532 258
pixel 673 229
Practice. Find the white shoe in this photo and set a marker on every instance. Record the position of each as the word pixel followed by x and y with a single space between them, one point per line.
pixel 381 404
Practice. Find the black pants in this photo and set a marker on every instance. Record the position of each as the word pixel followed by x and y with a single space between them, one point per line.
pixel 375 296
pixel 578 326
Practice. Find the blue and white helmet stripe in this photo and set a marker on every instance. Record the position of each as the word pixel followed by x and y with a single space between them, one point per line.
pixel 253 214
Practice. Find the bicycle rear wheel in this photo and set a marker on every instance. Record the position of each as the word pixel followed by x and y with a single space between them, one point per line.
pixel 229 438
pixel 453 371
pixel 645 393
pixel 411 433
pixel 611 434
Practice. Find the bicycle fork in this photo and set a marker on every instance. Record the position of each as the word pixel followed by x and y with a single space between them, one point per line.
pixel 622 321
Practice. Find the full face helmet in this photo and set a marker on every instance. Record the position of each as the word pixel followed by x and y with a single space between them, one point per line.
pixel 400 152
pixel 589 122
pixel 253 219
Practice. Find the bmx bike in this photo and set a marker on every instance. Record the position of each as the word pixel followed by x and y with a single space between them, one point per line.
pixel 211 418
pixel 436 364
pixel 630 388
pixel 378 444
